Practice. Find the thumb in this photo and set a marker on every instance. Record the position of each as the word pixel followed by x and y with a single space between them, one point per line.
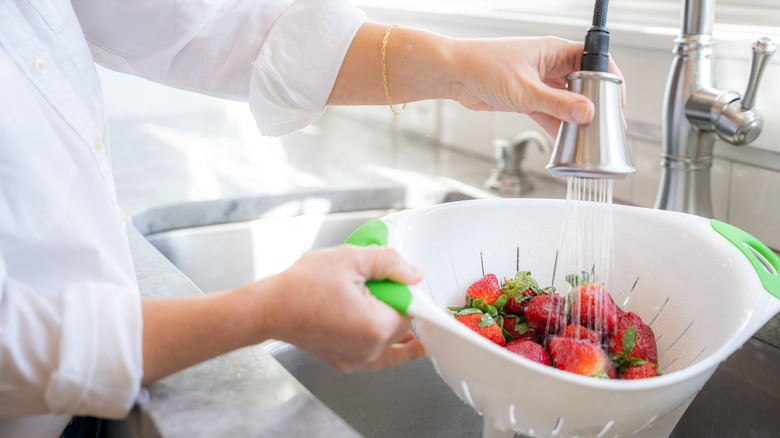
pixel 561 104
pixel 382 263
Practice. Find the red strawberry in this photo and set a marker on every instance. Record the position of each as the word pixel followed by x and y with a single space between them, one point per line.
pixel 530 350
pixel 487 327
pixel 578 357
pixel 516 307
pixel 521 330
pixel 643 371
pixel 644 348
pixel 576 331
pixel 518 290
pixel 486 289
pixel 593 307
pixel 546 313
pixel 611 371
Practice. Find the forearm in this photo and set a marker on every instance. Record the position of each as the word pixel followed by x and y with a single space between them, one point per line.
pixel 183 331
pixel 419 66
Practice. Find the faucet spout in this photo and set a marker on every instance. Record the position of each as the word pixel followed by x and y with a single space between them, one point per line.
pixel 597 149
pixel 696 112
pixel 698 17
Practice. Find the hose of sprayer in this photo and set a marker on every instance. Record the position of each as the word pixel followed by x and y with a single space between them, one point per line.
pixel 596 54
pixel 600 13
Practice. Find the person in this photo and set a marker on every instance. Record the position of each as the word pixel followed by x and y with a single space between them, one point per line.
pixel 76 338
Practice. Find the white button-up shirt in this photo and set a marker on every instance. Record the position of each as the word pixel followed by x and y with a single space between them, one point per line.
pixel 70 316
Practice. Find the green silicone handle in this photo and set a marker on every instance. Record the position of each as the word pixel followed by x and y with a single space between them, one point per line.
pixel 768 268
pixel 396 295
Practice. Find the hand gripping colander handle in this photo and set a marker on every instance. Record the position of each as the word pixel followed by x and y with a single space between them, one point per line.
pixel 396 295
pixel 764 260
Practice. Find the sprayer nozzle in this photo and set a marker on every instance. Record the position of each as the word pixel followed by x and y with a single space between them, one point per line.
pixel 598 149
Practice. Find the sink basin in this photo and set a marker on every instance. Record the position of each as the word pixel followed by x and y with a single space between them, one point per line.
pixel 226 243
pixel 223 244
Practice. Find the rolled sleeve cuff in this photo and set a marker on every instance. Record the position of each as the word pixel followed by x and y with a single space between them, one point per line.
pixel 297 66
pixel 100 366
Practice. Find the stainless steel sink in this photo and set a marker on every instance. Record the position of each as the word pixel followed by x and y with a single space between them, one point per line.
pixel 223 244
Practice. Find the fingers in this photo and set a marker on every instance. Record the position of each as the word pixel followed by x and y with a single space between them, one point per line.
pixel 382 263
pixel 614 69
pixel 561 104
pixel 397 354
pixel 408 348
pixel 550 124
pixel 562 57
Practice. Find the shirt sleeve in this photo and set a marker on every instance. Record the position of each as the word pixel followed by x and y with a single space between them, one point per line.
pixel 297 66
pixel 44 368
pixel 282 56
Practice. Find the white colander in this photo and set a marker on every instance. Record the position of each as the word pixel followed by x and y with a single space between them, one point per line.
pixel 703 294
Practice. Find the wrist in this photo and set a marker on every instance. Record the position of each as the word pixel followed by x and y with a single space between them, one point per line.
pixel 452 78
pixel 459 65
pixel 420 65
pixel 260 303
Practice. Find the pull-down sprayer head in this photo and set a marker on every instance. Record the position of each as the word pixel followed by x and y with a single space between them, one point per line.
pixel 597 149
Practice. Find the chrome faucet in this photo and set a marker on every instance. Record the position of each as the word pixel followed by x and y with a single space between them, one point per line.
pixel 508 177
pixel 695 112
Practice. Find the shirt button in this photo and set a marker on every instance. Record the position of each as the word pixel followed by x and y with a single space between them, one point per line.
pixel 39 65
pixel 98 143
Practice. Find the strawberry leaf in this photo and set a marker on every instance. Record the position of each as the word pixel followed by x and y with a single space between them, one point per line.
pixel 486 320
pixel 507 336
pixel 635 361
pixel 490 310
pixel 522 282
pixel 573 279
pixel 501 301
pixel 629 341
pixel 467 311
pixel 521 325
pixel 582 278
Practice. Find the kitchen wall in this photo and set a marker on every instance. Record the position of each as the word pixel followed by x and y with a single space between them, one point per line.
pixel 743 178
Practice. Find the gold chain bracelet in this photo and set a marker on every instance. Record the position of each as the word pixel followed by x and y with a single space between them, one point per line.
pixel 384 71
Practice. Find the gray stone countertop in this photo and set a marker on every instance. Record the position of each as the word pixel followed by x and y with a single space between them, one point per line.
pixel 247 393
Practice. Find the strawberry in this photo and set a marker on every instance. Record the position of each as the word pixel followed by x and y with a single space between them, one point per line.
pixel 530 350
pixel 642 371
pixel 579 357
pixel 576 331
pixel 486 289
pixel 517 306
pixel 611 371
pixel 546 313
pixel 640 344
pixel 485 325
pixel 518 328
pixel 593 307
pixel 520 290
